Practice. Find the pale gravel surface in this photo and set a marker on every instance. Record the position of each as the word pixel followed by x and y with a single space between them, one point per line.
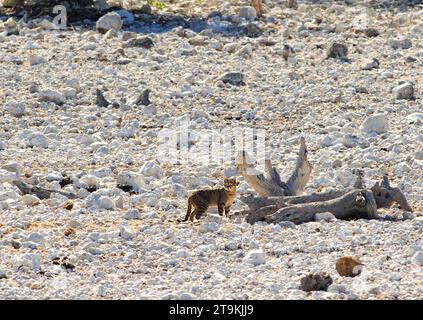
pixel 153 256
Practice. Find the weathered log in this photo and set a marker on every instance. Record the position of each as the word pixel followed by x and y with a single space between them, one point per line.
pixel 263 186
pixel 255 203
pixel 41 193
pixel 271 184
pixel 359 183
pixel 384 195
pixel 303 208
pixel 355 204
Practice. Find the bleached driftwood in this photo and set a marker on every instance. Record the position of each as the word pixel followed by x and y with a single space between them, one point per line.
pixel 271 184
pixel 356 203
pixel 333 201
pixel 279 201
pixel 386 195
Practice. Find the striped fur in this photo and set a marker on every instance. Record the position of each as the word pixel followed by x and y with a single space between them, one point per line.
pixel 222 198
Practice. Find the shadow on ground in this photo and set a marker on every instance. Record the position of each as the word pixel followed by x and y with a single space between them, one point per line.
pixel 165 22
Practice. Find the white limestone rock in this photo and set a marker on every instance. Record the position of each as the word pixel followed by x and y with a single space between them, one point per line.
pixel 90 181
pixel 70 93
pixel 73 83
pixel 105 202
pixel 377 123
pixel 337 288
pixel 14 108
pixel 187 296
pixel 102 199
pixel 12 167
pixel 30 260
pixel 414 249
pixel 324 216
pixel 111 20
pixel 12 27
pixel 151 169
pixel 126 233
pixel 49 95
pixel 415 117
pixel 230 47
pixel 418 258
pixel 287 225
pixel 255 257
pixel 369 65
pixel 208 227
pixel 174 190
pixel 36 59
pixel 132 179
pixel 54 176
pixel 132 214
pixel 37 139
pixel 47 25
pixel 30 200
pixel 36 237
pixel 93 248
pixel 404 91
pixel 245 51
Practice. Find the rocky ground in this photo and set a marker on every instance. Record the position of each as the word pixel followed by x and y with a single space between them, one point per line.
pixel 357 108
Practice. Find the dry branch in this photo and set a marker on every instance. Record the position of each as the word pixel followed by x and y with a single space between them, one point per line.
pixel 271 184
pixel 354 204
pixel 386 195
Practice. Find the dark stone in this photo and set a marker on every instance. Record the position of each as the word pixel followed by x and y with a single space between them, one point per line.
pixel 65 181
pixel 140 42
pixel 100 99
pixel 143 98
pixel 371 32
pixel 234 78
pixel 339 51
pixel 316 282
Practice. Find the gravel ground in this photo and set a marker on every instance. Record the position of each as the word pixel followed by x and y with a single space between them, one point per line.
pixel 362 109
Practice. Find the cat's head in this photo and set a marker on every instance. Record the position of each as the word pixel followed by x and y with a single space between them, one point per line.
pixel 230 183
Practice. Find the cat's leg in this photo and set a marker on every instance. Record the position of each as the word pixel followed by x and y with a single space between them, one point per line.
pixel 188 212
pixel 221 208
pixel 198 212
pixel 227 210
